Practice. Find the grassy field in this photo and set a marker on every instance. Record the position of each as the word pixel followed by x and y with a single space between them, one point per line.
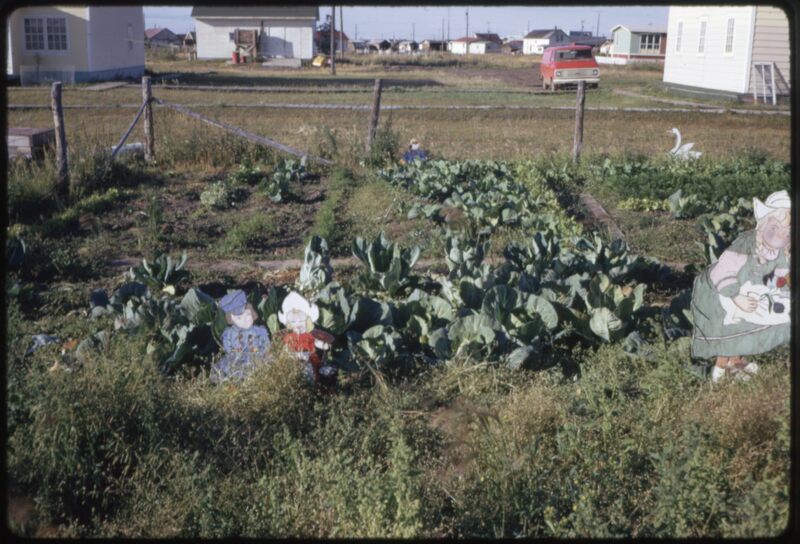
pixel 599 440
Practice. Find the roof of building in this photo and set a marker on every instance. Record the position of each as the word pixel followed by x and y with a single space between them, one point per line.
pixel 588 40
pixel 570 46
pixel 261 12
pixel 339 35
pixel 514 44
pixel 639 30
pixel 469 39
pixel 543 33
pixel 491 37
pixel 153 32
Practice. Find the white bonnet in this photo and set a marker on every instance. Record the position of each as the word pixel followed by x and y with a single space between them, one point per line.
pixel 295 301
pixel 775 201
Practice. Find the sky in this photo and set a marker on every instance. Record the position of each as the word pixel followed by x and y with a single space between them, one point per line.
pixel 364 22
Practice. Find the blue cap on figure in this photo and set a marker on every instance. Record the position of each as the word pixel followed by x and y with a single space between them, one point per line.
pixel 234 302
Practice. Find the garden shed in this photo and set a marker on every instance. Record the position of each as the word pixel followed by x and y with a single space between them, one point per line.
pixel 286 32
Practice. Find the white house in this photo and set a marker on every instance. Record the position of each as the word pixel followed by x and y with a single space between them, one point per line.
pixel 407 46
pixel 732 51
pixel 474 46
pixel 284 32
pixel 536 41
pixel 75 44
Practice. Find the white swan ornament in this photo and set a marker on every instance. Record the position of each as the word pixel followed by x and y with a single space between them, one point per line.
pixel 683 151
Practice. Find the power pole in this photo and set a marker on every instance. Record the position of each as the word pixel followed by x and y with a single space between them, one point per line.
pixel 356 32
pixel 341 35
pixel 413 35
pixel 467 34
pixel 597 30
pixel 442 29
pixel 448 24
pixel 333 40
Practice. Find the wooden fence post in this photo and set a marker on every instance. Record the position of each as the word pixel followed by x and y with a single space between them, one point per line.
pixel 333 40
pixel 149 140
pixel 62 181
pixel 577 141
pixel 376 111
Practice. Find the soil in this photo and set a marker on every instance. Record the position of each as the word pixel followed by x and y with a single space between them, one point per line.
pixel 187 225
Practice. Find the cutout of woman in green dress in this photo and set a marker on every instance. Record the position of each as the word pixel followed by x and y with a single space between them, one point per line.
pixel 741 303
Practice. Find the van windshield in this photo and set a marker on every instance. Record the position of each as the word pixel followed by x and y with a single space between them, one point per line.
pixel 573 54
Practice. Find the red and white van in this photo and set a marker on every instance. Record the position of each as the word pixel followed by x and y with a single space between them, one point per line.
pixel 568 64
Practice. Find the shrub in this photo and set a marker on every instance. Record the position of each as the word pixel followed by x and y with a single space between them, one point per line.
pixel 250 233
pixel 385 146
pixel 222 195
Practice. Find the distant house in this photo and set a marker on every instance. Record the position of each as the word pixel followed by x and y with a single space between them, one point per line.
pixel 606 47
pixel 189 41
pixel 584 37
pixel 474 46
pixel 433 45
pixel 407 46
pixel 638 44
pixel 339 38
pixel 730 51
pixel 75 44
pixel 379 46
pixel 490 37
pixel 512 47
pixel 283 32
pixel 536 41
pixel 160 37
pixel 357 46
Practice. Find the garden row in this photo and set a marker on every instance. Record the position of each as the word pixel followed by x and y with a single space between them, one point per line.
pixel 554 290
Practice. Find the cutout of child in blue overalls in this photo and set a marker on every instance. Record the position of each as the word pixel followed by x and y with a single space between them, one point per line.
pixel 244 343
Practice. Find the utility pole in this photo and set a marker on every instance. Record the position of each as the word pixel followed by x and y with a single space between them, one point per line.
pixel 333 40
pixel 529 27
pixel 581 25
pixel 597 30
pixel 413 35
pixel 356 32
pixel 448 23
pixel 442 29
pixel 467 34
pixel 341 35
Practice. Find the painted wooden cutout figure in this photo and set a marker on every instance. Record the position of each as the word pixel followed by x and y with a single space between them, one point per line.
pixel 741 303
pixel 298 316
pixel 244 343
pixel 414 152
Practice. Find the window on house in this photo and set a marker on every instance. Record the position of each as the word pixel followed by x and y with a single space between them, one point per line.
pixel 650 42
pixel 56 33
pixel 679 37
pixel 45 33
pixel 701 42
pixel 34 34
pixel 729 36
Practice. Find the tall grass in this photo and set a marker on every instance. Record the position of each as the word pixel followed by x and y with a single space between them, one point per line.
pixel 630 446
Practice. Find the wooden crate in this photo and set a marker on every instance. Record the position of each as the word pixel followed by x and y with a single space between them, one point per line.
pixel 29 142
